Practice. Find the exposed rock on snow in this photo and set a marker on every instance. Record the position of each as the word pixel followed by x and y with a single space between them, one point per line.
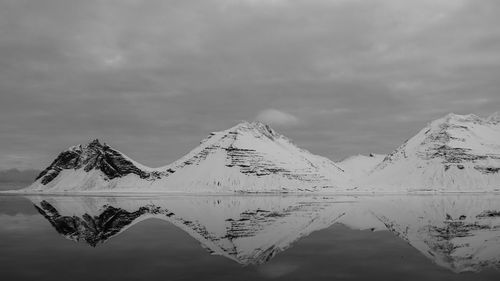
pixel 91 229
pixel 95 156
pixel 454 153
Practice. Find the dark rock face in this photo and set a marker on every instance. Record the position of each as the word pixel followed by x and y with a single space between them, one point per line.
pixel 91 229
pixel 441 149
pixel 489 214
pixel 487 170
pixel 94 156
pixel 443 237
pixel 453 154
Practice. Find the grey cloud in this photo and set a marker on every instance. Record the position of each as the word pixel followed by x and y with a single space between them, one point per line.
pixel 154 77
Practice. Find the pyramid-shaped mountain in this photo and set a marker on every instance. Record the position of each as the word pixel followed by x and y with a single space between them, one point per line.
pixel 454 153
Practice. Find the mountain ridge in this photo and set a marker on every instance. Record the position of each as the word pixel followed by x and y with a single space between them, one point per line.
pixel 455 153
pixel 248 157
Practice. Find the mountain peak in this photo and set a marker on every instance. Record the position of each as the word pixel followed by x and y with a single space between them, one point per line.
pixel 244 128
pixel 460 118
pixel 255 127
pixel 452 118
pixel 94 143
pixel 456 151
pixel 253 156
pixel 93 157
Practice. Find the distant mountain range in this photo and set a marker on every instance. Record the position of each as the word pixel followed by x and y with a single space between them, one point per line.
pixel 454 153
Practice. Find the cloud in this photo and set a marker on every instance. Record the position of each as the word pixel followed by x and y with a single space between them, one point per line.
pixel 160 75
pixel 275 117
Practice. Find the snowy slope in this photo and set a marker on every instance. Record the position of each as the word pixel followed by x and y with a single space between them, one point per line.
pixel 359 166
pixel 454 153
pixel 249 157
pixel 253 157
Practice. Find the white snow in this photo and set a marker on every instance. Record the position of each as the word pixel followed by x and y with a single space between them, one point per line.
pixel 358 166
pixel 449 155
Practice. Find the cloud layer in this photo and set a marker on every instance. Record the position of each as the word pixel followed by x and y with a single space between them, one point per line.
pixel 154 77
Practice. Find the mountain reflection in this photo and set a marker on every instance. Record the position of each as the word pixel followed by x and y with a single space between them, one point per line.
pixel 461 233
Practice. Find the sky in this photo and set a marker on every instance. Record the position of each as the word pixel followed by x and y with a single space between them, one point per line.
pixel 153 77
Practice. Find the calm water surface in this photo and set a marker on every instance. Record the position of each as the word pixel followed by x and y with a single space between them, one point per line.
pixel 454 237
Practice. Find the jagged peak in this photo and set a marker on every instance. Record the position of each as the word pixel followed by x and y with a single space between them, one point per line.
pixel 94 142
pixel 255 128
pixel 260 128
pixel 91 145
pixel 494 118
pixel 453 120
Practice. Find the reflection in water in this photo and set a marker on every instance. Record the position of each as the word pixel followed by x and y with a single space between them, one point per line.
pixel 461 233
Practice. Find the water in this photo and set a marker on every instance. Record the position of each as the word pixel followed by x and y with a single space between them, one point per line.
pixel 441 237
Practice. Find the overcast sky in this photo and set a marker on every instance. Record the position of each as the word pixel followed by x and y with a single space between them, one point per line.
pixel 154 77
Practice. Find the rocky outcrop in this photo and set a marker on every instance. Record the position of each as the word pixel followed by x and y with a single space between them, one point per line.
pixel 94 156
pixel 91 229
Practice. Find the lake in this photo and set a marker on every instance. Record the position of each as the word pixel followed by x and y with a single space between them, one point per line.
pixel 250 237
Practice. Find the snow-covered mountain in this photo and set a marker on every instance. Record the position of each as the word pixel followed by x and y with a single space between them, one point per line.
pixel 454 153
pixel 458 232
pixel 91 167
pixel 249 157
